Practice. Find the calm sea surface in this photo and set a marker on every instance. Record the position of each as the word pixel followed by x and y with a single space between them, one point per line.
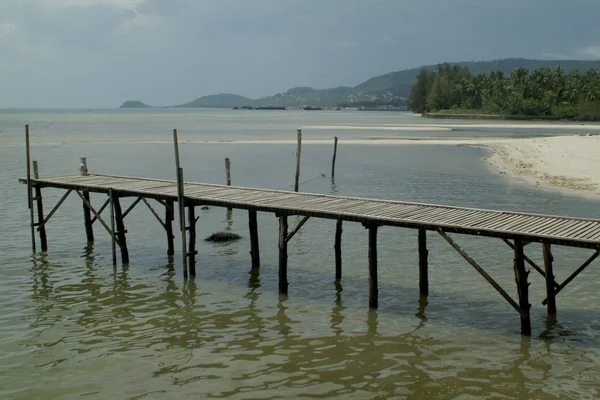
pixel 72 326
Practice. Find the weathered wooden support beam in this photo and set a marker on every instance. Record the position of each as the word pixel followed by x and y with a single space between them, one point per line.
pixel 169 218
pixel 373 284
pixel 481 271
pixel 254 246
pixel 56 207
pixel 337 247
pixel 87 215
pixel 29 187
pixel 158 218
pixel 192 238
pixel 106 203
pixel 335 143
pixel 112 223
pixel 40 209
pixel 120 232
pixel 423 263
pixel 98 217
pixel 521 275
pixel 296 229
pixel 298 153
pixel 228 177
pixel 529 260
pixel 131 207
pixel 180 201
pixel 283 254
pixel 550 283
pixel 573 275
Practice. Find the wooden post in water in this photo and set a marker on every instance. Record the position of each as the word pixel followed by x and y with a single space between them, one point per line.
pixel 373 284
pixel 335 140
pixel 423 263
pixel 522 287
pixel 120 233
pixel 338 250
pixel 112 226
pixel 550 292
pixel 29 187
pixel 192 237
pixel 180 202
pixel 87 214
pixel 298 152
pixel 283 256
pixel 228 176
pixel 254 248
pixel 169 218
pixel 40 209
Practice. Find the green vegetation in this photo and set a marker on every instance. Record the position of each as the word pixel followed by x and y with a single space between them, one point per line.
pixel 134 104
pixel 224 100
pixel 545 92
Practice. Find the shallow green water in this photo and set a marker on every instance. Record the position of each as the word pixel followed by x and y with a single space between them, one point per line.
pixel 72 326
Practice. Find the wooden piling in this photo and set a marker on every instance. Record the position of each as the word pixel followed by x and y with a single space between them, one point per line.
pixel 373 284
pixel 120 233
pixel 335 141
pixel 521 275
pixel 283 256
pixel 169 218
pixel 29 187
pixel 254 247
pixel 550 290
pixel 298 153
pixel 338 250
pixel 112 226
pixel 87 215
pixel 180 201
pixel 40 210
pixel 228 178
pixel 192 238
pixel 423 263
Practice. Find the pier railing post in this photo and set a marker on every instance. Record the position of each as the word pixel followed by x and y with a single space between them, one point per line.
pixel 521 275
pixel 338 250
pixel 298 153
pixel 169 218
pixel 550 291
pixel 423 263
pixel 87 215
pixel 40 210
pixel 254 247
pixel 29 187
pixel 283 255
pixel 373 284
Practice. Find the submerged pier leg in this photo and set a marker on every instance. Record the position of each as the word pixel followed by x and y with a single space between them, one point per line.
pixel 87 213
pixel 338 248
pixel 120 230
pixel 192 238
pixel 283 255
pixel 254 248
pixel 169 218
pixel 550 291
pixel 40 209
pixel 373 285
pixel 423 264
pixel 521 275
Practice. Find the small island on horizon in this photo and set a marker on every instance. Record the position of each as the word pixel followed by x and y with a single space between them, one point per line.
pixel 134 104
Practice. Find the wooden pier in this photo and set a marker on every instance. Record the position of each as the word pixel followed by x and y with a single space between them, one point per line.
pixel 517 230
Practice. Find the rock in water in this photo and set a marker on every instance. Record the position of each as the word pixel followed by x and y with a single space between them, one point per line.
pixel 223 237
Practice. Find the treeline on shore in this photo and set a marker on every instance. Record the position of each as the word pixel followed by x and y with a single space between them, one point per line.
pixel 543 92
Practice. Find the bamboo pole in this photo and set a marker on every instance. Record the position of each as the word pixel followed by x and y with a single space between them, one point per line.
pixel 29 187
pixel 180 202
pixel 298 153
pixel 335 143
pixel 40 210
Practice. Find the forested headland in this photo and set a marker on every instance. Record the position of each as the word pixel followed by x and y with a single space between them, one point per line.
pixel 543 92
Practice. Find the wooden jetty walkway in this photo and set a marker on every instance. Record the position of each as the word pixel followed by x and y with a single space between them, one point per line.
pixel 517 230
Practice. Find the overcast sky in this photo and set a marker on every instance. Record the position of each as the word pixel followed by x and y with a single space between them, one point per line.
pixel 98 53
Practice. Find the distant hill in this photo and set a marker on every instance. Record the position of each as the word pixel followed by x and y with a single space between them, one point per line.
pixel 387 88
pixel 223 100
pixel 134 104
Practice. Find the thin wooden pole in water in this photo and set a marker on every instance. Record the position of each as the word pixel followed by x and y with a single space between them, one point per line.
pixel 522 288
pixel 254 247
pixel 423 263
pixel 29 187
pixel 373 284
pixel 87 216
pixel 228 175
pixel 283 255
pixel 192 237
pixel 180 202
pixel 338 249
pixel 298 153
pixel 40 210
pixel 550 291
pixel 335 142
pixel 112 226
pixel 120 233
pixel 169 218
